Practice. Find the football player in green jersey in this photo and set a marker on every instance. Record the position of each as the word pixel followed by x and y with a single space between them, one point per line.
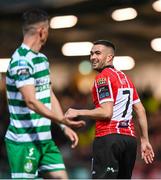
pixel 33 105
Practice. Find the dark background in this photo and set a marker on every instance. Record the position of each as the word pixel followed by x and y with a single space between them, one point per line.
pixel 132 38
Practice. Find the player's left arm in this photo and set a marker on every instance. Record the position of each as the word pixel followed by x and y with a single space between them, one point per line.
pixel 147 152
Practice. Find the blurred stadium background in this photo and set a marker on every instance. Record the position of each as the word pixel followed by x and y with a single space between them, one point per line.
pixel 135 28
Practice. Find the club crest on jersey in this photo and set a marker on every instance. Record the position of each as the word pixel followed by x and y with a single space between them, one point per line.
pixel 101 81
pixel 28 166
pixel 22 62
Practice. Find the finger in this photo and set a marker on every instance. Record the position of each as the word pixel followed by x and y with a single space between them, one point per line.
pixel 150 158
pixel 69 116
pixel 73 145
pixel 152 153
pixel 79 123
pixel 76 124
pixel 142 155
pixel 75 141
pixel 83 123
pixel 145 159
pixel 71 138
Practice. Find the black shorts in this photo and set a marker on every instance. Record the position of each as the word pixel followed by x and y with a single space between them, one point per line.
pixel 114 156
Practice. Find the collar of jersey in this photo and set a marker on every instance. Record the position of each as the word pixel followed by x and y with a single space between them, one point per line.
pixel 28 48
pixel 108 66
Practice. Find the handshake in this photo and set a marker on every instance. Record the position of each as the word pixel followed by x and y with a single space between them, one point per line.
pixel 70 118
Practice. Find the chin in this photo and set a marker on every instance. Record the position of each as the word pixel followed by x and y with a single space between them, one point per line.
pixel 96 68
pixel 43 43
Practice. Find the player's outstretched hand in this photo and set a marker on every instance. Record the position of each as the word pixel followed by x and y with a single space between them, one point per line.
pixel 147 152
pixel 71 113
pixel 73 123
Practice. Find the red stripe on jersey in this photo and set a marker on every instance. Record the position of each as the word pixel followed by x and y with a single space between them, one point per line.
pixel 103 128
pixel 113 85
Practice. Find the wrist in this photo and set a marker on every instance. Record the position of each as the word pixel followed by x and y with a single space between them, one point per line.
pixel 143 139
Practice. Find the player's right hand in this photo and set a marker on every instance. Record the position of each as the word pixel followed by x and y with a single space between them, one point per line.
pixel 73 123
pixel 71 113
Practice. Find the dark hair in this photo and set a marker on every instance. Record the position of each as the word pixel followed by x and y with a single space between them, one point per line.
pixel 105 43
pixel 33 16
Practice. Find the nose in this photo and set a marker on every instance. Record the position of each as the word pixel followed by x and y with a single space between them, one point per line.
pixel 92 57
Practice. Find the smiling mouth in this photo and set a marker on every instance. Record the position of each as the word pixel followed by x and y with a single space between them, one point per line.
pixel 94 63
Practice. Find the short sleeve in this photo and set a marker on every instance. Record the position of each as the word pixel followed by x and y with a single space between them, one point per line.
pixel 103 88
pixel 22 71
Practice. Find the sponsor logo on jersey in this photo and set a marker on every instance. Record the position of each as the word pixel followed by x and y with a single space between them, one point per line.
pixel 23 74
pixel 42 84
pixel 42 81
pixel 103 92
pixel 101 81
pixel 123 124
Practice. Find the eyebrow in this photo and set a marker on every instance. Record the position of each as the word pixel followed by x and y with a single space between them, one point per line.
pixel 94 51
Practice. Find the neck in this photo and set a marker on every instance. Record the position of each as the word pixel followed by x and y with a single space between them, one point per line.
pixel 33 42
pixel 107 66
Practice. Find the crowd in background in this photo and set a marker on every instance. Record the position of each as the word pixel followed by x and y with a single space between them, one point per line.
pixel 78 161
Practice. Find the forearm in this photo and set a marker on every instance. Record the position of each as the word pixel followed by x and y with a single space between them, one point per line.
pixel 41 109
pixel 56 108
pixel 143 126
pixel 142 121
pixel 55 113
pixel 97 113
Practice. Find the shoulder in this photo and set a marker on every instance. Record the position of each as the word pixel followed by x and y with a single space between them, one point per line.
pixel 19 62
pixel 104 74
pixel 101 78
pixel 42 56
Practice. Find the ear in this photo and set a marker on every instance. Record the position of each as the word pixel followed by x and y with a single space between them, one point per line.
pixel 109 57
pixel 40 30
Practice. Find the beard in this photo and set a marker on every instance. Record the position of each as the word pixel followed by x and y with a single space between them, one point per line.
pixel 98 68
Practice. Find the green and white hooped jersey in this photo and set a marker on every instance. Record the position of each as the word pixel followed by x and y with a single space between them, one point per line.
pixel 27 68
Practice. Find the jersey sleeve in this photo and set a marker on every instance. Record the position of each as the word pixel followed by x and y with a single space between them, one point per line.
pixel 103 89
pixel 22 71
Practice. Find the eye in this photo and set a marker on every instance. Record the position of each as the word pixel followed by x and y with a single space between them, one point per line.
pixel 98 52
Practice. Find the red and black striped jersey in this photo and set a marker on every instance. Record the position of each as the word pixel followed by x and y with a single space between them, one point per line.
pixel 113 85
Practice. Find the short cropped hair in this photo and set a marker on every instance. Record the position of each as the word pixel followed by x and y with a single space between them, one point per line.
pixel 105 43
pixel 32 17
